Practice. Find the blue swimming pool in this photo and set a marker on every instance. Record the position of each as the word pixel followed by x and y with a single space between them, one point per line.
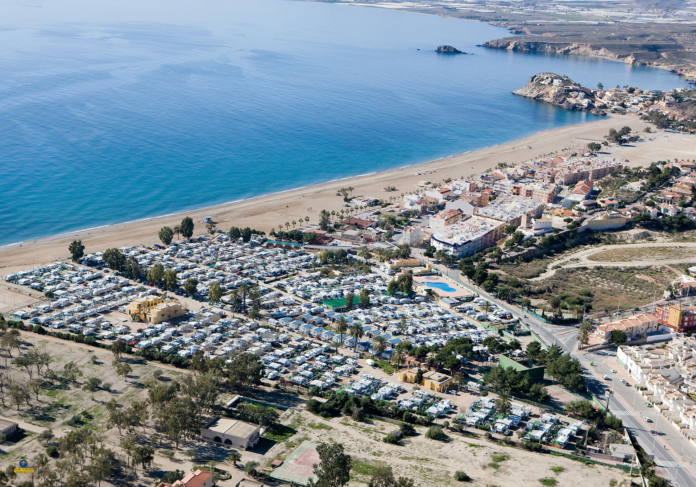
pixel 442 286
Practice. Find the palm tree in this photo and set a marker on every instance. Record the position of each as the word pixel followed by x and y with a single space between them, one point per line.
pixel 379 345
pixel 341 328
pixel 235 457
pixel 333 214
pixel 306 219
pixel 287 225
pixel 398 358
pixel 357 333
pixel 177 230
pixel 503 402
pixel 280 228
pixel 294 223
pixel 486 306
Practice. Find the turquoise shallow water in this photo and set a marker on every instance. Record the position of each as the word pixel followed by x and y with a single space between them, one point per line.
pixel 115 111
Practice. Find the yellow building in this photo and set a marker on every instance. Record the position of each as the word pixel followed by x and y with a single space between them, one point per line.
pixel 607 221
pixel 432 380
pixel 398 263
pixel 152 309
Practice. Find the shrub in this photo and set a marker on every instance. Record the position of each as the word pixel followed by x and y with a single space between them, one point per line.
pixel 436 433
pixel 407 430
pixel 52 451
pixel 172 476
pixel 532 446
pixel 548 481
pixel 391 438
pixel 461 476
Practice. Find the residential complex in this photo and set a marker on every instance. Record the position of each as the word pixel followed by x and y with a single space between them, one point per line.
pixel 468 236
pixel 676 316
pixel 512 210
pixel 634 327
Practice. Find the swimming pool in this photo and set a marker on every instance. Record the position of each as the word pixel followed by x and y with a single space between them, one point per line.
pixel 442 286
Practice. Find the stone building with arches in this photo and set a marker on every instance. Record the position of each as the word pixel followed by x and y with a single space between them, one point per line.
pixel 232 433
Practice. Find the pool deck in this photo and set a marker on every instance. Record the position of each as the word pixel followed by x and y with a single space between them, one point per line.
pixel 428 282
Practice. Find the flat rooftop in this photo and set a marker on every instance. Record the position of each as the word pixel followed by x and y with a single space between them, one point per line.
pixel 232 427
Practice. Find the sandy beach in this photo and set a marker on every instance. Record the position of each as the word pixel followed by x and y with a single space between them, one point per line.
pixel 265 213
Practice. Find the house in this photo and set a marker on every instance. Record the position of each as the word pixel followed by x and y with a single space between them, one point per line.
pixel 539 224
pixel 411 236
pixel 359 222
pixel 462 205
pixel 199 478
pixel 232 432
pixel 607 220
pixel 634 327
pixel 364 201
pixel 8 428
pixel 445 218
pixel 431 380
pixel 669 210
pixel 608 202
pixel 152 309
pixel 676 316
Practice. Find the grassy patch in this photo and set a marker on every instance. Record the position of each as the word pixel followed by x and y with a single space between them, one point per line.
pixel 548 481
pixel 52 393
pixel 361 467
pixel 494 465
pixel 557 469
pixel 500 458
pixel 385 366
pixel 279 433
pixel 319 426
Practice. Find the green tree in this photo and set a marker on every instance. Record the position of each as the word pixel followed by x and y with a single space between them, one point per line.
pixel 190 286
pixel 234 457
pixel 186 227
pixel 91 385
pixel 118 348
pixel 114 259
pixel 215 292
pixel 77 250
pixel 334 467
pixel 156 274
pixel 324 220
pixel 132 268
pixel 356 332
pixel 503 403
pixel 383 476
pixel 166 235
pixel 618 337
pixel 349 300
pixel 235 234
pixel 170 279
pixel 510 229
pixel 594 147
pixel 364 298
pixel 379 345
pixel 123 369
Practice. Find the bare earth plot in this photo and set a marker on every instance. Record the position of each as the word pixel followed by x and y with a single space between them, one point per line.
pixel 630 255
pixel 431 462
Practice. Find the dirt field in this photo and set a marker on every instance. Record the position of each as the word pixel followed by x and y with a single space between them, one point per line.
pixel 643 254
pixel 432 463
pixel 13 297
pixel 632 286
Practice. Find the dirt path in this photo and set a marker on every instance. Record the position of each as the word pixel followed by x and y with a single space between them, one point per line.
pixel 582 258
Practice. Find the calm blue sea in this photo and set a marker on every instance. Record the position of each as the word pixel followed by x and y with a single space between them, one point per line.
pixel 115 111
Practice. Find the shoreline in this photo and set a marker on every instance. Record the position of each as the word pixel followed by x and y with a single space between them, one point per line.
pixel 181 213
pixel 268 211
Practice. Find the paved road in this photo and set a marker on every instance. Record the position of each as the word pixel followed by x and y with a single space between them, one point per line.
pixel 668 458
pixel 581 258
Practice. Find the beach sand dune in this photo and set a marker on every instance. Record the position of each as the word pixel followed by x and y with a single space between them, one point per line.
pixel 268 212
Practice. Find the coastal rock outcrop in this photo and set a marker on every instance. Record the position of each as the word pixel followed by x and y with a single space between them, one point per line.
pixel 561 91
pixel 448 50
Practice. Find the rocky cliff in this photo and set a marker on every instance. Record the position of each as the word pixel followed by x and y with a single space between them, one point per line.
pixel 448 50
pixel 560 91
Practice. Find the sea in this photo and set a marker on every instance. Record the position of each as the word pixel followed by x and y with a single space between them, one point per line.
pixel 117 111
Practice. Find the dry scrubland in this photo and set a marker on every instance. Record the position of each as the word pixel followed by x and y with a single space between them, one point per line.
pixel 431 462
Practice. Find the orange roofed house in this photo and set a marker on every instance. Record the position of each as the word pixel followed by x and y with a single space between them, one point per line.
pixel 199 478
pixel 634 327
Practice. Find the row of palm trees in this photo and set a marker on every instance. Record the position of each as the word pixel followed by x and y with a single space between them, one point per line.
pixel 293 223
